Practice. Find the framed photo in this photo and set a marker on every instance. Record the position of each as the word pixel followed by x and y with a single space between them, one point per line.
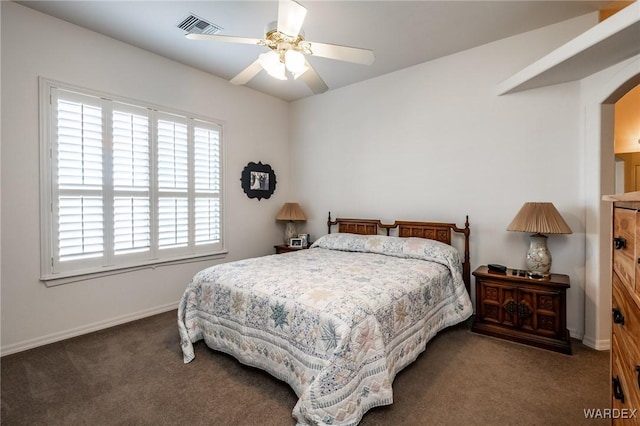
pixel 295 242
pixel 258 180
pixel 305 239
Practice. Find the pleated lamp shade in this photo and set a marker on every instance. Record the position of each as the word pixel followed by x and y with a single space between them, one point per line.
pixel 290 212
pixel 539 218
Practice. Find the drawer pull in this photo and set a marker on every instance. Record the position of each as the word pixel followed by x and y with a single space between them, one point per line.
pixel 619 243
pixel 618 318
pixel 638 371
pixel 511 307
pixel 524 311
pixel 617 389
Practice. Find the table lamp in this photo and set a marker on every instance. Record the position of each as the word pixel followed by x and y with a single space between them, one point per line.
pixel 539 219
pixel 290 212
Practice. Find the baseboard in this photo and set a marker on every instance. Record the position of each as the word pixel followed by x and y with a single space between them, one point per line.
pixel 89 328
pixel 575 334
pixel 599 345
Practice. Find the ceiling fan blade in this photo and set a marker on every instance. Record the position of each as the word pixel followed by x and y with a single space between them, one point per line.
pixel 343 53
pixel 247 74
pixel 226 38
pixel 290 17
pixel 313 80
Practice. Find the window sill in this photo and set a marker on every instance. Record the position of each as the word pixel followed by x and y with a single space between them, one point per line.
pixel 60 279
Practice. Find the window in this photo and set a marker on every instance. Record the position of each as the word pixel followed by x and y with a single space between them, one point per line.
pixel 125 184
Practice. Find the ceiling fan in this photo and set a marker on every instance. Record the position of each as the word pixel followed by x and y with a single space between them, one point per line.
pixel 288 48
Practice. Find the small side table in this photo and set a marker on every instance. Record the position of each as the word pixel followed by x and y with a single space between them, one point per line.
pixel 283 248
pixel 522 309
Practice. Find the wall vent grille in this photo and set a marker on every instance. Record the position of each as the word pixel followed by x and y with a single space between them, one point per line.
pixel 196 25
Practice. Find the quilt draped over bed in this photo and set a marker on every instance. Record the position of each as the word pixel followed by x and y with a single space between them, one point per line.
pixel 336 322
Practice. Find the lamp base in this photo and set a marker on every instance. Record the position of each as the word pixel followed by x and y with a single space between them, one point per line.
pixel 538 257
pixel 538 275
pixel 290 232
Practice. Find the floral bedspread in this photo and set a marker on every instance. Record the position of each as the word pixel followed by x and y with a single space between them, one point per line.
pixel 336 322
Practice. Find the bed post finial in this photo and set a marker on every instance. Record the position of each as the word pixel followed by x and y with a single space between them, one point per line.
pixel 329 224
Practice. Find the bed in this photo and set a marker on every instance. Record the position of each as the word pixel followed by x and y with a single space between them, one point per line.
pixel 336 321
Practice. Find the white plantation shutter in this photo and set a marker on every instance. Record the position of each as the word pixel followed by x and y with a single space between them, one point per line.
pixel 173 222
pixel 131 223
pixel 128 185
pixel 207 159
pixel 131 165
pixel 131 180
pixel 173 183
pixel 78 175
pixel 172 156
pixel 207 213
pixel 207 183
pixel 80 227
pixel 79 143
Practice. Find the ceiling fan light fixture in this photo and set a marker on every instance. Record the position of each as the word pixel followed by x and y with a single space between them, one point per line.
pixel 270 62
pixel 295 63
pixel 288 49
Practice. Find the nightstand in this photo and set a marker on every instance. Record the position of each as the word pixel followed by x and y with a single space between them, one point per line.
pixel 522 309
pixel 283 248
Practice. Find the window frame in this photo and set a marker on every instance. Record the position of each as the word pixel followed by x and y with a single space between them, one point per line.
pixel 50 272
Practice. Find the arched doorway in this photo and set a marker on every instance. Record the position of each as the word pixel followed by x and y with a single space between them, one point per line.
pixel 600 92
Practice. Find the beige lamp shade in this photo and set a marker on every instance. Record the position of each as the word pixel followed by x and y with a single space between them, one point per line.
pixel 539 218
pixel 291 212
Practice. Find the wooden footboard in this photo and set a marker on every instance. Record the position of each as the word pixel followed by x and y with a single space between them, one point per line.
pixel 439 231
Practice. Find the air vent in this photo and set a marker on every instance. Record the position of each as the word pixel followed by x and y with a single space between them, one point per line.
pixel 195 25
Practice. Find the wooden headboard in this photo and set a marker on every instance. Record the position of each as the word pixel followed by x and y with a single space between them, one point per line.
pixel 438 231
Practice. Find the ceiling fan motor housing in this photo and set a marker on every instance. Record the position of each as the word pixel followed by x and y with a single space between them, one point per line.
pixel 281 42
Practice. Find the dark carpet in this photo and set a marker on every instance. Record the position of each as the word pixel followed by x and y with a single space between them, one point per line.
pixel 133 374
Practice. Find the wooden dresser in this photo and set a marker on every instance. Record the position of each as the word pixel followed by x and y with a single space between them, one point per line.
pixel 625 329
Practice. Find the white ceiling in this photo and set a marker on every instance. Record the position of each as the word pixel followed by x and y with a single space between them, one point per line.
pixel 401 33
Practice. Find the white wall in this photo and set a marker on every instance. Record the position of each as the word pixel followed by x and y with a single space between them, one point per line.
pixel 255 129
pixel 433 142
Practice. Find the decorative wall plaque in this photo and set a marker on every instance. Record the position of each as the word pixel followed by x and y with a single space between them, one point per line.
pixel 258 180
